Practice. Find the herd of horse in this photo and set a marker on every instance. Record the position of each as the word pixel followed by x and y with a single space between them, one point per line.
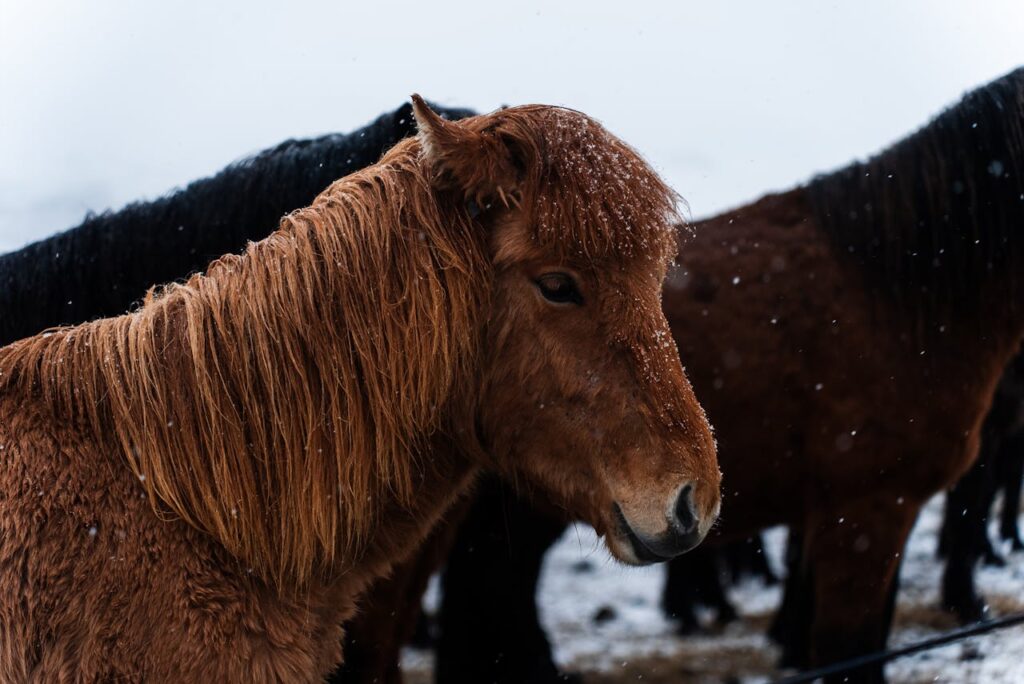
pixel 462 337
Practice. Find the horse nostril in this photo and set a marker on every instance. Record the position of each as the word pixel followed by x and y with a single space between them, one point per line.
pixel 686 515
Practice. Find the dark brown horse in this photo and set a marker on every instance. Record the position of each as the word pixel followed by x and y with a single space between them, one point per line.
pixel 964 539
pixel 202 488
pixel 846 338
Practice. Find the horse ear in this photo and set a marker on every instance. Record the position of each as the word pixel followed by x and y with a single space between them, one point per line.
pixel 478 165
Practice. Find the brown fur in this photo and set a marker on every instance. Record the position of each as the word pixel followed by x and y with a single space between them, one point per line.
pixel 200 489
pixel 865 420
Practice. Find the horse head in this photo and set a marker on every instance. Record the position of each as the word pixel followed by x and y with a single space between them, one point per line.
pixel 583 395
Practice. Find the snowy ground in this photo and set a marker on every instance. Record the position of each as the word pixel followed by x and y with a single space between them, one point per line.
pixel 639 644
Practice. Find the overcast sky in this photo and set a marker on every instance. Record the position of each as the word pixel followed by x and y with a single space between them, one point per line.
pixel 104 102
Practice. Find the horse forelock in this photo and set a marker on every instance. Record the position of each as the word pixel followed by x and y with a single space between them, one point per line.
pixel 588 194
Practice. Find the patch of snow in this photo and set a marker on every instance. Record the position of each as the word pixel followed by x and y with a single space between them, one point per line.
pixel 580 579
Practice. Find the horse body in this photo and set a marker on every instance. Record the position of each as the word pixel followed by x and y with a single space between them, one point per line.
pixel 250 448
pixel 861 428
pixel 890 301
pixel 96 587
pixel 830 358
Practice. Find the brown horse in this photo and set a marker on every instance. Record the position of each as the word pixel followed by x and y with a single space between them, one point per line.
pixel 846 338
pixel 888 296
pixel 200 490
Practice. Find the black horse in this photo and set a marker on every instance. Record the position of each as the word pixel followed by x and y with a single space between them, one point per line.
pixel 702 577
pixel 103 266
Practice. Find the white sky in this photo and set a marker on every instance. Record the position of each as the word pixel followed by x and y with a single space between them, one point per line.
pixel 106 101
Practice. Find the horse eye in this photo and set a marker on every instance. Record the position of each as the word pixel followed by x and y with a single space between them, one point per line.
pixel 559 288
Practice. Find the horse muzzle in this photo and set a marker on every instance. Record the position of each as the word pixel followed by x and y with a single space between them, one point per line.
pixel 683 533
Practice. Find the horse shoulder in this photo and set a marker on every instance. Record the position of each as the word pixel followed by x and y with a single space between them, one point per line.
pixel 95 584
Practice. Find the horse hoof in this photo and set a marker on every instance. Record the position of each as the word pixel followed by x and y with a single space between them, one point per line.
pixel 994 560
pixel 791 659
pixel 689 628
pixel 726 615
pixel 604 614
pixel 967 612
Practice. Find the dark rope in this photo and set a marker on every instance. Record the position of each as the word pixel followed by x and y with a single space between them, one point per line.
pixel 885 656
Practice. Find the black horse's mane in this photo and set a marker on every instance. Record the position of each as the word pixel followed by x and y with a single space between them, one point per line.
pixel 937 217
pixel 107 263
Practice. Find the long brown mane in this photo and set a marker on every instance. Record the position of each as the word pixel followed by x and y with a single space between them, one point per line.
pixel 267 401
pixel 275 401
pixel 933 218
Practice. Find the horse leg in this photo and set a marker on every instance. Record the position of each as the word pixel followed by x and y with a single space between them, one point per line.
pixel 757 561
pixel 490 629
pixel 854 553
pixel 734 557
pixel 763 567
pixel 679 597
pixel 747 558
pixel 791 628
pixel 951 514
pixel 694 579
pixel 1011 476
pixel 993 481
pixel 711 591
pixel 967 506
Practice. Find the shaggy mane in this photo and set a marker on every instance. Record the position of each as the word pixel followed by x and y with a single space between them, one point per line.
pixel 936 217
pixel 104 266
pixel 278 402
pixel 268 401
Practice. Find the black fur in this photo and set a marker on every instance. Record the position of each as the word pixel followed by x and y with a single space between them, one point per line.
pixel 105 265
pixel 497 566
pixel 696 579
pixel 964 538
pixel 937 217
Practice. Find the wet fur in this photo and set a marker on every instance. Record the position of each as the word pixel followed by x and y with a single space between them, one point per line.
pixel 223 470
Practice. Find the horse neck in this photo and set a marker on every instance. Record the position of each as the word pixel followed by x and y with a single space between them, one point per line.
pixel 446 474
pixel 962 317
pixel 934 222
